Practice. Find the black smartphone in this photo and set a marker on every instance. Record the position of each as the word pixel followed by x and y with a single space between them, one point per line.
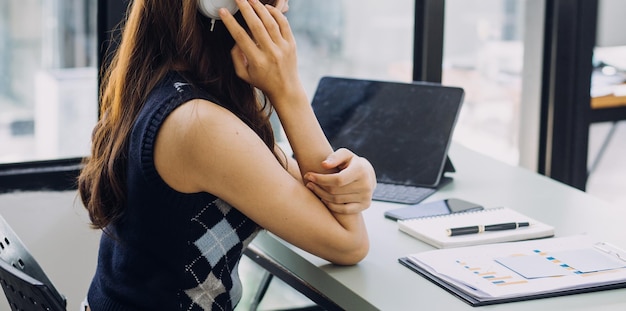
pixel 442 207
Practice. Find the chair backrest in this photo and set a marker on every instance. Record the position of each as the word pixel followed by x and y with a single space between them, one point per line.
pixel 25 284
pixel 25 293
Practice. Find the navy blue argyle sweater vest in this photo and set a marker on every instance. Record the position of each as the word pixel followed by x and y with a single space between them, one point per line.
pixel 169 251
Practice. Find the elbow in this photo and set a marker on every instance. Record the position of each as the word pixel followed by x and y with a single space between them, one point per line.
pixel 353 254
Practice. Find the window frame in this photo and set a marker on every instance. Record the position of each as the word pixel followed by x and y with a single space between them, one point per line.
pixel 565 96
pixel 59 175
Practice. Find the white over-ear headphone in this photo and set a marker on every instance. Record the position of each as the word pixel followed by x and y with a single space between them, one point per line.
pixel 210 8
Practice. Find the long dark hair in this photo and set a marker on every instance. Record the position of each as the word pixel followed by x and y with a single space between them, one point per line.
pixel 158 36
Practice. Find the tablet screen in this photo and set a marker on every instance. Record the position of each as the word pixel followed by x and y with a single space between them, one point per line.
pixel 403 129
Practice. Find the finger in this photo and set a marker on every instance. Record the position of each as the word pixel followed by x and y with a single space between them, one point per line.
pixel 340 179
pixel 339 195
pixel 260 22
pixel 269 16
pixel 282 21
pixel 338 159
pixel 350 208
pixel 324 194
pixel 351 173
pixel 319 192
pixel 241 37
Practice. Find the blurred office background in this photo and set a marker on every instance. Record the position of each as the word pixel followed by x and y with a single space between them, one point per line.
pixel 492 48
pixel 48 75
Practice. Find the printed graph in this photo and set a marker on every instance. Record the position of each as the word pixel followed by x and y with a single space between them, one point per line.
pixel 556 261
pixel 497 277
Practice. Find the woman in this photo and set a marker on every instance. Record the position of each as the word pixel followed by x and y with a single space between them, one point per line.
pixel 184 169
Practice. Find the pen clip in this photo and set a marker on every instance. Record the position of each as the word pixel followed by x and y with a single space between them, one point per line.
pixel 611 250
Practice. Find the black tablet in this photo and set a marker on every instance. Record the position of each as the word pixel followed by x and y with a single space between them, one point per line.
pixel 403 129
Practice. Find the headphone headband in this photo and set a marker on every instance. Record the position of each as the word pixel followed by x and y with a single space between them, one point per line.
pixel 210 8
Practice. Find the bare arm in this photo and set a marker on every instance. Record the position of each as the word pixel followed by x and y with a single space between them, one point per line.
pixel 268 61
pixel 204 147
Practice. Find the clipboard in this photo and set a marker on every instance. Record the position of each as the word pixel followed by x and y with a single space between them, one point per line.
pixel 475 302
pixel 427 268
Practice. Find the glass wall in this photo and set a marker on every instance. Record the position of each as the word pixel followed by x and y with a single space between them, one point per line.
pixel 484 54
pixel 607 139
pixel 352 38
pixel 49 81
pixel 48 78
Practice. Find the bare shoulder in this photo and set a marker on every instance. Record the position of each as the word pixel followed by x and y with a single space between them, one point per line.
pixel 195 139
pixel 197 114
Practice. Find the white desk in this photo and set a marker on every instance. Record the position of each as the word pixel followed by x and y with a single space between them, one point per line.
pixel 380 282
pixel 53 225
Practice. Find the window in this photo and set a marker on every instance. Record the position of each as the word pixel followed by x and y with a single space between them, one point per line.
pixel 352 38
pixel 484 54
pixel 336 38
pixel 48 85
pixel 606 144
pixel 49 56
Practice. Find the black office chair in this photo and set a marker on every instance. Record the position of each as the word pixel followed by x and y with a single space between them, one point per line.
pixel 25 284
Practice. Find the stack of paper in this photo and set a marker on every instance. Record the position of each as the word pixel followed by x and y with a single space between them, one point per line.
pixel 489 274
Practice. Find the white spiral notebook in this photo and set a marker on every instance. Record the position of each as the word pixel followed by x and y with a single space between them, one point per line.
pixel 434 230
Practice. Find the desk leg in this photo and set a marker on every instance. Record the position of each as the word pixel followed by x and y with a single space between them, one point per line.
pixel 260 293
pixel 605 144
pixel 274 268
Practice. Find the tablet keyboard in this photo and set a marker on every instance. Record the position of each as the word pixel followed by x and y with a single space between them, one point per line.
pixel 401 193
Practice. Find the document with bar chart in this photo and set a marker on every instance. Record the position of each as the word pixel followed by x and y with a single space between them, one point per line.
pixel 505 272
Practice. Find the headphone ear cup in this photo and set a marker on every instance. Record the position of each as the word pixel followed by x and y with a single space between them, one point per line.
pixel 210 8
